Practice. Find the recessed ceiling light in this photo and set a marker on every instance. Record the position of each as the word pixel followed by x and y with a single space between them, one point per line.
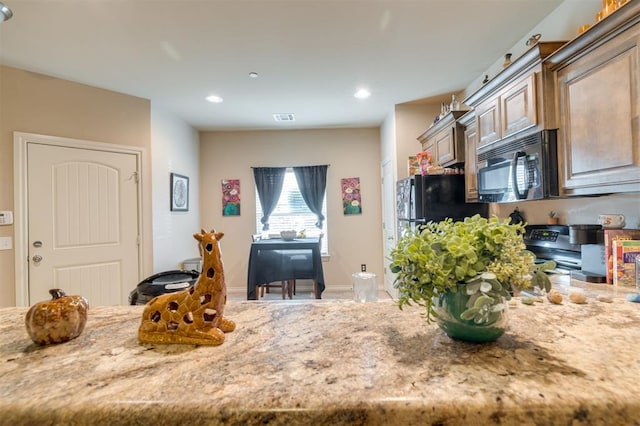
pixel 253 74
pixel 214 98
pixel 362 94
pixel 284 116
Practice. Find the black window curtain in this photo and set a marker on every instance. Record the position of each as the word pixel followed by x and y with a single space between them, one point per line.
pixel 312 181
pixel 269 182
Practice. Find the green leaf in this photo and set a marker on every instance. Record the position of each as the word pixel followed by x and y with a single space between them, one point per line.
pixel 472 300
pixel 469 314
pixel 472 288
pixel 483 300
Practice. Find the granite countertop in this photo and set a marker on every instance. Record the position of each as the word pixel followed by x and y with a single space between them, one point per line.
pixel 326 362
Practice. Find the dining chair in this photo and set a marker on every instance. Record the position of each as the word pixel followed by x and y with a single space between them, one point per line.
pixel 303 263
pixel 266 286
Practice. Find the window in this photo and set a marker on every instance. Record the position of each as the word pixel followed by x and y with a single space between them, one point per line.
pixel 292 212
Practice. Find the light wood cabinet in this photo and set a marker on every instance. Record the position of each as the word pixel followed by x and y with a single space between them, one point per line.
pixel 488 122
pixel 429 145
pixel 445 140
pixel 471 159
pixel 597 77
pixel 515 99
pixel 518 106
pixel 509 111
pixel 445 146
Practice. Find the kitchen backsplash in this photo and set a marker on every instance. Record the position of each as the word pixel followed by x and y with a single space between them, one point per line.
pixel 578 210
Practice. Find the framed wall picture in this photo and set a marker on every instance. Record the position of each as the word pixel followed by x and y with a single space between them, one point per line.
pixel 351 202
pixel 179 193
pixel 230 197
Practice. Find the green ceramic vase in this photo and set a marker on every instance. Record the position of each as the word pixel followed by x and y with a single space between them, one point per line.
pixel 485 324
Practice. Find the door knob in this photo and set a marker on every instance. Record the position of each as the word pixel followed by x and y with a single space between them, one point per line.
pixel 37 258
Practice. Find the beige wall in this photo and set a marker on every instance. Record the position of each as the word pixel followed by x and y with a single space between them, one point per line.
pixel 36 103
pixel 353 240
pixel 175 149
pixel 388 139
pixel 412 120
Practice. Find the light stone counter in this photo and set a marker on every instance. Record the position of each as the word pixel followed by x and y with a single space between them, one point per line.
pixel 328 363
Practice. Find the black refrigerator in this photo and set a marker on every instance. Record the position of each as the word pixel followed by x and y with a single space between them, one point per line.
pixel 420 199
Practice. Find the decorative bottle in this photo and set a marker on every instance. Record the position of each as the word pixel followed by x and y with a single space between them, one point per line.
pixel 455 105
pixel 507 60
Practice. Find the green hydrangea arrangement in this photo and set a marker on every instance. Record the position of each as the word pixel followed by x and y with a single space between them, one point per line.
pixel 486 258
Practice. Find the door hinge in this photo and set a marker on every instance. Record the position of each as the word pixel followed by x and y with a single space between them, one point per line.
pixel 138 240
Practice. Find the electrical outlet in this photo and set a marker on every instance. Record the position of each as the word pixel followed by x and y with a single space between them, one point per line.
pixel 363 267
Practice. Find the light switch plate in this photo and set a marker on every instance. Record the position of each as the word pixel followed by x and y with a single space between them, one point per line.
pixel 6 218
pixel 6 243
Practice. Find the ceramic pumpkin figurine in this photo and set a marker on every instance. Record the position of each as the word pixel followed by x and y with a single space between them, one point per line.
pixel 58 320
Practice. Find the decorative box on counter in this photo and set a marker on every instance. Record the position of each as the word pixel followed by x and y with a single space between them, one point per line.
pixel 611 235
pixel 624 256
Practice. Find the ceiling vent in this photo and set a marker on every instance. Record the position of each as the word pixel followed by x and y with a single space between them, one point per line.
pixel 284 117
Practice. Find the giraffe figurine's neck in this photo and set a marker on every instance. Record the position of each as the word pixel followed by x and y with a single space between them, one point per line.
pixel 212 276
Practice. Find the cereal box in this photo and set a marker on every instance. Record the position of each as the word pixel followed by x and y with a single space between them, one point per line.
pixel 616 234
pixel 624 262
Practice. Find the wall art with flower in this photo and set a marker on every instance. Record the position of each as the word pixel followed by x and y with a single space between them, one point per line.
pixel 230 197
pixel 351 203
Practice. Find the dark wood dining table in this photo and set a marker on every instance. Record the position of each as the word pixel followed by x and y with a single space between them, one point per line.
pixel 273 260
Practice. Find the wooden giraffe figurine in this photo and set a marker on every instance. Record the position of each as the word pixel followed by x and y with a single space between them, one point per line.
pixel 193 316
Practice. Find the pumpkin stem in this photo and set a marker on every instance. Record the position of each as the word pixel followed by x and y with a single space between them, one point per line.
pixel 56 293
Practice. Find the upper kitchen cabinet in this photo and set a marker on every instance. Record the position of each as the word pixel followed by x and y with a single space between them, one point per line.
pixel 488 121
pixel 597 79
pixel 515 99
pixel 445 140
pixel 471 159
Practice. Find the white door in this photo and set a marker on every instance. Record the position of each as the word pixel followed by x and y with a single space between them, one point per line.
pixel 82 223
pixel 389 223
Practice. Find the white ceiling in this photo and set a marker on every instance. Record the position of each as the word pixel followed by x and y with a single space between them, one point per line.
pixel 311 55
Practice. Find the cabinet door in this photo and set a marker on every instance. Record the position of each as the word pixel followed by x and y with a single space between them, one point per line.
pixel 430 145
pixel 518 106
pixel 445 148
pixel 599 102
pixel 471 163
pixel 488 122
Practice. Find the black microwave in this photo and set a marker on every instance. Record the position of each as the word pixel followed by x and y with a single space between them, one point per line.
pixel 524 168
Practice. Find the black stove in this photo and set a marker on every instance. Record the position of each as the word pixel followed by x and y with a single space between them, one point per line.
pixel 551 242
